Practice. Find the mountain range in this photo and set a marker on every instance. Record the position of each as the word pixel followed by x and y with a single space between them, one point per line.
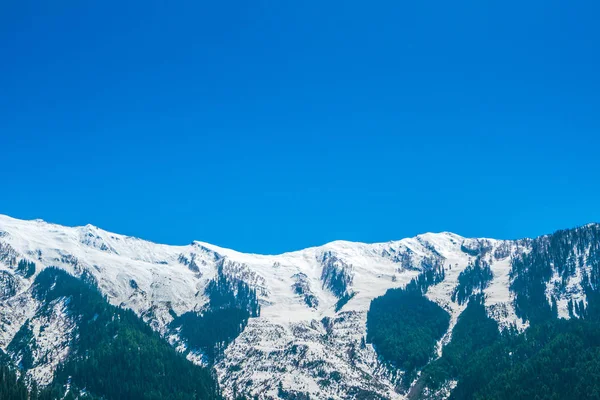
pixel 414 318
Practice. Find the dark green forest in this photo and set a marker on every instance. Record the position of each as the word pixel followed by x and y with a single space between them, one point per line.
pixel 560 253
pixel 10 386
pixel 555 359
pixel 231 304
pixel 476 275
pixel 26 268
pixel 552 359
pixel 115 355
pixel 404 326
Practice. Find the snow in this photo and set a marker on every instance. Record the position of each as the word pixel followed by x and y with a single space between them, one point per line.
pixel 499 299
pixel 572 291
pixel 155 280
pixel 52 335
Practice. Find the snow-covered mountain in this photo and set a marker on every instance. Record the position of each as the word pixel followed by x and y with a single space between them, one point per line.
pixel 309 336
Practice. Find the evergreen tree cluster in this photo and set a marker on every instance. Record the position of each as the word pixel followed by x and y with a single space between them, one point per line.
pixel 231 303
pixel 335 275
pixel 473 331
pixel 476 247
pixel 22 346
pixel 476 276
pixel 554 359
pixel 557 359
pixel 11 387
pixel 115 354
pixel 470 251
pixel 26 268
pixel 212 330
pixel 344 300
pixel 227 292
pixel 9 285
pixel 561 252
pixel 405 326
pixel 430 277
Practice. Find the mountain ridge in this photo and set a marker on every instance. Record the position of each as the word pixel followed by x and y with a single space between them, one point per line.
pixel 90 226
pixel 302 314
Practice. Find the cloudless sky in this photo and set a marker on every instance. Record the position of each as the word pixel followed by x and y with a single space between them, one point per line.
pixel 269 126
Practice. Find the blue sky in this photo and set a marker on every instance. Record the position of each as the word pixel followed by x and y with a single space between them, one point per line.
pixel 271 126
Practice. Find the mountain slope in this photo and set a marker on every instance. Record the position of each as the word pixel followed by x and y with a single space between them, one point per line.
pixel 297 321
pixel 95 348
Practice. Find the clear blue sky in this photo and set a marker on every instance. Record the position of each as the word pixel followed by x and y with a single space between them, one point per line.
pixel 269 126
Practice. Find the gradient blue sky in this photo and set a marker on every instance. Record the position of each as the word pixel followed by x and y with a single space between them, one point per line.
pixel 269 126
